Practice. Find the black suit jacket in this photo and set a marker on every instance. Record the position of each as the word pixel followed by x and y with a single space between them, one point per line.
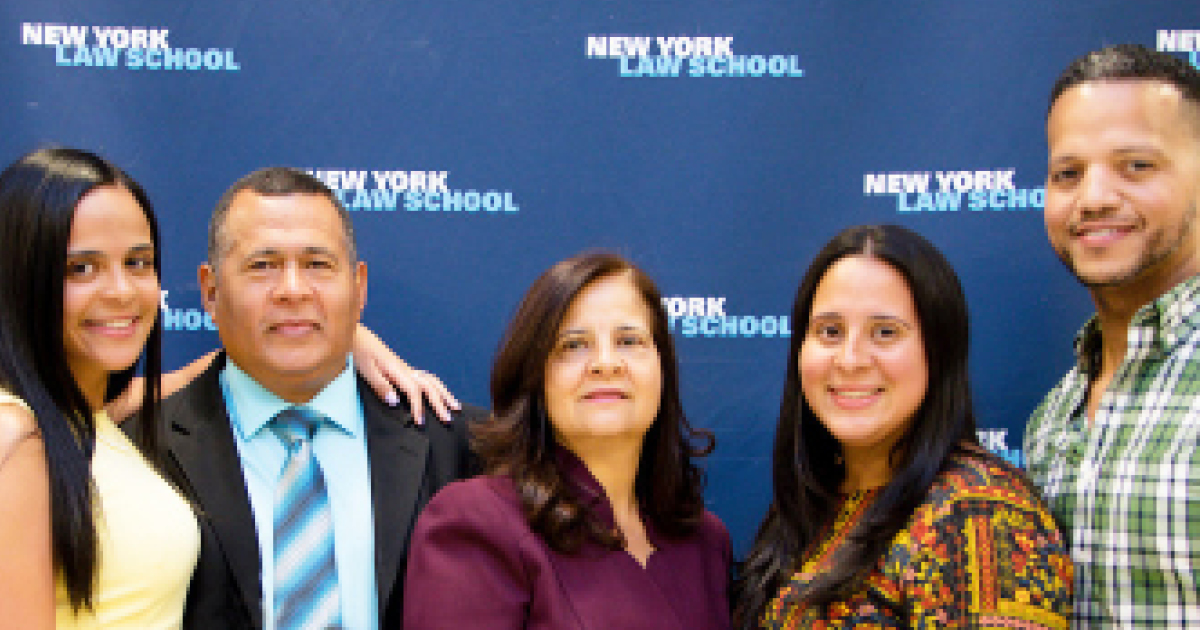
pixel 409 463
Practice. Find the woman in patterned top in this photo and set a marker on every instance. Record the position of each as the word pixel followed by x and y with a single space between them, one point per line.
pixel 886 512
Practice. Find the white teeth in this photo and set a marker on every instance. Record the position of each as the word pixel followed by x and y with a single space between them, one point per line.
pixel 125 323
pixel 855 394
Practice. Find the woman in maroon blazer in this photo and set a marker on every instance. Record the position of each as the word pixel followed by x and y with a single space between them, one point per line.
pixel 592 514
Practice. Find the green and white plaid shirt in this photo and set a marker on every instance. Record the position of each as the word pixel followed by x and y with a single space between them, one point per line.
pixel 1127 490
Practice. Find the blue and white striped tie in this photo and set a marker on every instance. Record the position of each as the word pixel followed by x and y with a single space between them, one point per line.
pixel 306 589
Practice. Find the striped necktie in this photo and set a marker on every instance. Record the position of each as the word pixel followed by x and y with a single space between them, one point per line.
pixel 306 589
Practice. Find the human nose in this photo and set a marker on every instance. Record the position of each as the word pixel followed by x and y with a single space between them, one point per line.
pixel 1097 190
pixel 606 361
pixel 292 284
pixel 120 285
pixel 852 352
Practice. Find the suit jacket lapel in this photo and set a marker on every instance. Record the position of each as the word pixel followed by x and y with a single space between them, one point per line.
pixel 202 444
pixel 398 451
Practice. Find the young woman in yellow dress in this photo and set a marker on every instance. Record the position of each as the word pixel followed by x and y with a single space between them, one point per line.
pixel 79 300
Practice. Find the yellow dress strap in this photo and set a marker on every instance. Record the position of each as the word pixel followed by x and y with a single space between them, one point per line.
pixel 8 399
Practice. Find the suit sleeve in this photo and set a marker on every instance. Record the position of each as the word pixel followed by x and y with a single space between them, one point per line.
pixel 466 567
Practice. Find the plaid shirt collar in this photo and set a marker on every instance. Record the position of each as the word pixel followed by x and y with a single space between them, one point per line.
pixel 1156 328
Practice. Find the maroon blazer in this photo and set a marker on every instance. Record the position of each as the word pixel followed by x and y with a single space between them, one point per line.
pixel 475 563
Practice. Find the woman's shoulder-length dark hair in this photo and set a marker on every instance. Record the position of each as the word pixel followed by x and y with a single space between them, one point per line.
pixel 39 194
pixel 517 441
pixel 807 470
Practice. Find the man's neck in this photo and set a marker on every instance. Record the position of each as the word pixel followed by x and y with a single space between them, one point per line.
pixel 1113 319
pixel 1116 306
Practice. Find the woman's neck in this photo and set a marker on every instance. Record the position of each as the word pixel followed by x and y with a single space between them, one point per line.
pixel 93 390
pixel 866 472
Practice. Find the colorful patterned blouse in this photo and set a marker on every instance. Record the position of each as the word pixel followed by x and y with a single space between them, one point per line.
pixel 981 552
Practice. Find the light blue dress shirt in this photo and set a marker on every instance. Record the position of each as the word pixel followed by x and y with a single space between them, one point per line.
pixel 341 451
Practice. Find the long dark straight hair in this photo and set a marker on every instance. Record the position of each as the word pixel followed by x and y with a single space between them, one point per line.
pixel 38 197
pixel 518 442
pixel 807 470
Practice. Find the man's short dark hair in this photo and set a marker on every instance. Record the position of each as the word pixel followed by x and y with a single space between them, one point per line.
pixel 1136 62
pixel 275 181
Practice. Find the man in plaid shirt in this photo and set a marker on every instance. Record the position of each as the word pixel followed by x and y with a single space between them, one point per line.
pixel 1116 445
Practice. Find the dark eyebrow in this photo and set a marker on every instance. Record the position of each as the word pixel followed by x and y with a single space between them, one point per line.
pixel 583 331
pixel 1139 148
pixel 308 251
pixel 873 317
pixel 95 253
pixel 263 251
pixel 1121 151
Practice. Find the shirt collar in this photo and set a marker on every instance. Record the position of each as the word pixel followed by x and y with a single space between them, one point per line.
pixel 1162 323
pixel 589 490
pixel 256 405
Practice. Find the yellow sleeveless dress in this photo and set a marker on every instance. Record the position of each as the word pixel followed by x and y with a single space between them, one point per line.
pixel 148 540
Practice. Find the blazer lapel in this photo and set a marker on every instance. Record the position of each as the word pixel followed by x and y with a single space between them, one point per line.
pixel 201 443
pixel 398 451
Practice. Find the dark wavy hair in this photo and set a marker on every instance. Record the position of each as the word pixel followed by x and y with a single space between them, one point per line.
pixel 518 442
pixel 807 470
pixel 38 197
pixel 1132 62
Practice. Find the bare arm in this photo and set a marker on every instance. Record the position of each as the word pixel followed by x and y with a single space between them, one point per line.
pixel 387 372
pixel 27 578
pixel 130 400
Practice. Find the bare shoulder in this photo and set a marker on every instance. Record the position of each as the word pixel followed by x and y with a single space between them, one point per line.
pixel 18 429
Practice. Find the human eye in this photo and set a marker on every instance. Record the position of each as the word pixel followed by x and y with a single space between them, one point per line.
pixel 140 262
pixel 1064 175
pixel 320 263
pixel 260 264
pixel 1139 165
pixel 887 332
pixel 632 340
pixel 79 268
pixel 825 331
pixel 570 349
pixel 571 344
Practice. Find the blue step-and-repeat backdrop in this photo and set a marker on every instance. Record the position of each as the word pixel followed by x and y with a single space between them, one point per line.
pixel 717 143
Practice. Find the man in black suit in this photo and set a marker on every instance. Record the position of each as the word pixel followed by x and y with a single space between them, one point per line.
pixel 285 288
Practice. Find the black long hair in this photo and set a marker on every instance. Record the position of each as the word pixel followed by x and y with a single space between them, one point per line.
pixel 38 197
pixel 518 442
pixel 807 470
